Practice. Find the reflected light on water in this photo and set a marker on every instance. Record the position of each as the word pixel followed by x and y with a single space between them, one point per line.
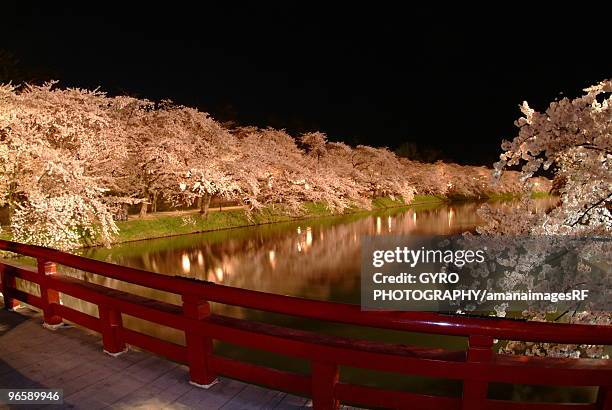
pixel 272 257
pixel 186 263
pixel 308 237
pixel 219 274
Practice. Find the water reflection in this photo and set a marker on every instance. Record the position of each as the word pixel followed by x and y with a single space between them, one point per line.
pixel 315 258
pixel 186 263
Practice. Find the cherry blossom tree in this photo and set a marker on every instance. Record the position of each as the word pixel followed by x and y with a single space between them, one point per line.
pixel 272 169
pixel 333 173
pixel 573 138
pixel 56 149
pixel 315 144
pixel 380 171
pixel 73 159
pixel 189 155
pixel 339 157
pixel 462 181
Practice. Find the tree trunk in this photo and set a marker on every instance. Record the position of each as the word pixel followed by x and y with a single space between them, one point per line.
pixel 143 209
pixel 10 212
pixel 204 204
pixel 11 203
pixel 154 203
pixel 124 209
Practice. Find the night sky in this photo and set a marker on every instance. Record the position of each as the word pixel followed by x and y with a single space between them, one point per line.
pixel 441 77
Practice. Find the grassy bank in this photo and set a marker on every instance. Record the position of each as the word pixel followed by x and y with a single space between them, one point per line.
pixel 181 223
pixel 166 224
pixel 191 222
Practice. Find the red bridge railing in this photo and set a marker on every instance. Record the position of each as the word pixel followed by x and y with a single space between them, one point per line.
pixel 476 367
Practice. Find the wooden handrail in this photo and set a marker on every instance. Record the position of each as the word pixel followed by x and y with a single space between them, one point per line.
pixel 424 322
pixel 476 367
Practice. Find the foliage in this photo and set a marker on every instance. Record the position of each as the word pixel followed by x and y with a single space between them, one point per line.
pixel 55 154
pixel 573 139
pixel 73 160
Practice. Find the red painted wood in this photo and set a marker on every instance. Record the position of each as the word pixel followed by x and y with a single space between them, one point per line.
pixel 199 343
pixel 513 405
pixel 112 323
pixel 604 397
pixel 425 322
pixel 170 350
pixel 377 397
pixel 19 295
pixel 477 367
pixel 143 308
pixel 257 328
pixel 25 273
pixel 475 391
pixel 48 295
pixel 325 377
pixel 514 369
pixel 80 318
pixel 7 282
pixel 277 379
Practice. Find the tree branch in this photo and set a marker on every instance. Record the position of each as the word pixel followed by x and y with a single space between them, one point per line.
pixel 601 201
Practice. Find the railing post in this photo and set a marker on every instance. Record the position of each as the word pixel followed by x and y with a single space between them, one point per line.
pixel 48 296
pixel 7 282
pixel 199 344
pixel 475 391
pixel 604 398
pixel 111 330
pixel 324 376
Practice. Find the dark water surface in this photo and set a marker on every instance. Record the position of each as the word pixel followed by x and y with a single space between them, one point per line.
pixel 317 259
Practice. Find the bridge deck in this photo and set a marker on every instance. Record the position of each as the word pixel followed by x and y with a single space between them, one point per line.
pixel 72 359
